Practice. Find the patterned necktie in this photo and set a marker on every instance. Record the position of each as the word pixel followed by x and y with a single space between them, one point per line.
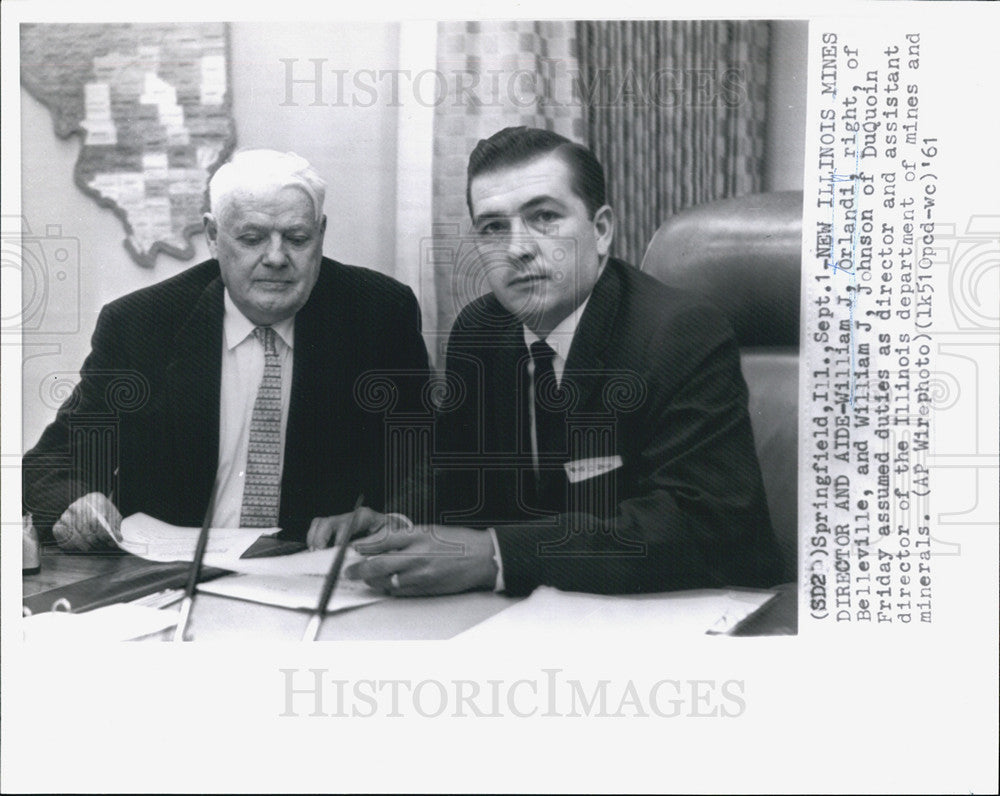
pixel 262 483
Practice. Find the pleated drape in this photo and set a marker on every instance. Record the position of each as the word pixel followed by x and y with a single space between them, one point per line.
pixel 492 75
pixel 675 111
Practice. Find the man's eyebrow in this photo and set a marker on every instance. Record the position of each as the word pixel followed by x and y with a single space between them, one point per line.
pixel 247 226
pixel 540 200
pixel 253 226
pixel 532 203
pixel 486 216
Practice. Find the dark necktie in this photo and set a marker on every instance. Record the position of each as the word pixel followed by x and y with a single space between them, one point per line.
pixel 550 416
pixel 262 482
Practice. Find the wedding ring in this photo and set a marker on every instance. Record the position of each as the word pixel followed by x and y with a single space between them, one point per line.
pixel 394 580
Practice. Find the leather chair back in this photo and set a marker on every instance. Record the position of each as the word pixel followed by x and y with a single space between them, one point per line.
pixel 744 255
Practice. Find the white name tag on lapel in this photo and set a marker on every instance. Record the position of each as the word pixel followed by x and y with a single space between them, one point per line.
pixel 582 469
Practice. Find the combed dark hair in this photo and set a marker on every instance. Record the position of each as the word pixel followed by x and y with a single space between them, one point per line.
pixel 513 146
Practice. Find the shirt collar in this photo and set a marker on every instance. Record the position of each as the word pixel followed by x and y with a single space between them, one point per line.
pixel 561 337
pixel 237 327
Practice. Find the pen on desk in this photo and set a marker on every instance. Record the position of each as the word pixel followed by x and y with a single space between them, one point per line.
pixel 107 526
pixel 312 629
pixel 104 520
pixel 194 571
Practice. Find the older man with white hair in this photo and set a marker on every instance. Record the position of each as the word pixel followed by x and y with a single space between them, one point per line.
pixel 240 374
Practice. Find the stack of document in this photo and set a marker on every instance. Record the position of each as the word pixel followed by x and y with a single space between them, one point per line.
pixel 291 591
pixel 291 581
pixel 154 540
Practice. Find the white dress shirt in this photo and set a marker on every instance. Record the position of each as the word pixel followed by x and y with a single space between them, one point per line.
pixel 242 372
pixel 559 340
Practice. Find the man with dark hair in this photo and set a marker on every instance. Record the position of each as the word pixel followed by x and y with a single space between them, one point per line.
pixel 514 145
pixel 597 426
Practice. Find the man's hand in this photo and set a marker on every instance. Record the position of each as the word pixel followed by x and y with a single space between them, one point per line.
pixel 426 559
pixel 324 531
pixel 89 523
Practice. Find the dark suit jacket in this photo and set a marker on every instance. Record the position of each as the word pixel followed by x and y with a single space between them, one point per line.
pixel 144 419
pixel 654 378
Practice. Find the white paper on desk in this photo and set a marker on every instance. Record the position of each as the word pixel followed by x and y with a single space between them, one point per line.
pixel 118 622
pixel 155 540
pixel 549 612
pixel 308 562
pixel 295 590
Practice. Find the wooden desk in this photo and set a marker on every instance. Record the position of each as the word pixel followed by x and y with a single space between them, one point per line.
pixel 406 619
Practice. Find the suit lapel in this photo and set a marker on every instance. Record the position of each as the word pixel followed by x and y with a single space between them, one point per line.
pixel 587 356
pixel 325 356
pixel 505 390
pixel 193 383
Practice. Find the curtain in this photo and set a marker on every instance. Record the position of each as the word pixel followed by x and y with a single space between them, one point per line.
pixel 490 75
pixel 675 112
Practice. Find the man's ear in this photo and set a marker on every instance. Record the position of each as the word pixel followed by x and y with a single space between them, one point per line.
pixel 211 232
pixel 604 229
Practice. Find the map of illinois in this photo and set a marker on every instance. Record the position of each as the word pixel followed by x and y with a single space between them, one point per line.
pixel 152 107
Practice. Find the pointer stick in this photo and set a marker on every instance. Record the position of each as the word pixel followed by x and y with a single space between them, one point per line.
pixel 312 629
pixel 195 571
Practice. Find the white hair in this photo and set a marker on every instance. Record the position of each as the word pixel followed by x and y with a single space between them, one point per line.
pixel 257 169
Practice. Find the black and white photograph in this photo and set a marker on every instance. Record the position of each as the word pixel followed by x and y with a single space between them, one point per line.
pixel 405 393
